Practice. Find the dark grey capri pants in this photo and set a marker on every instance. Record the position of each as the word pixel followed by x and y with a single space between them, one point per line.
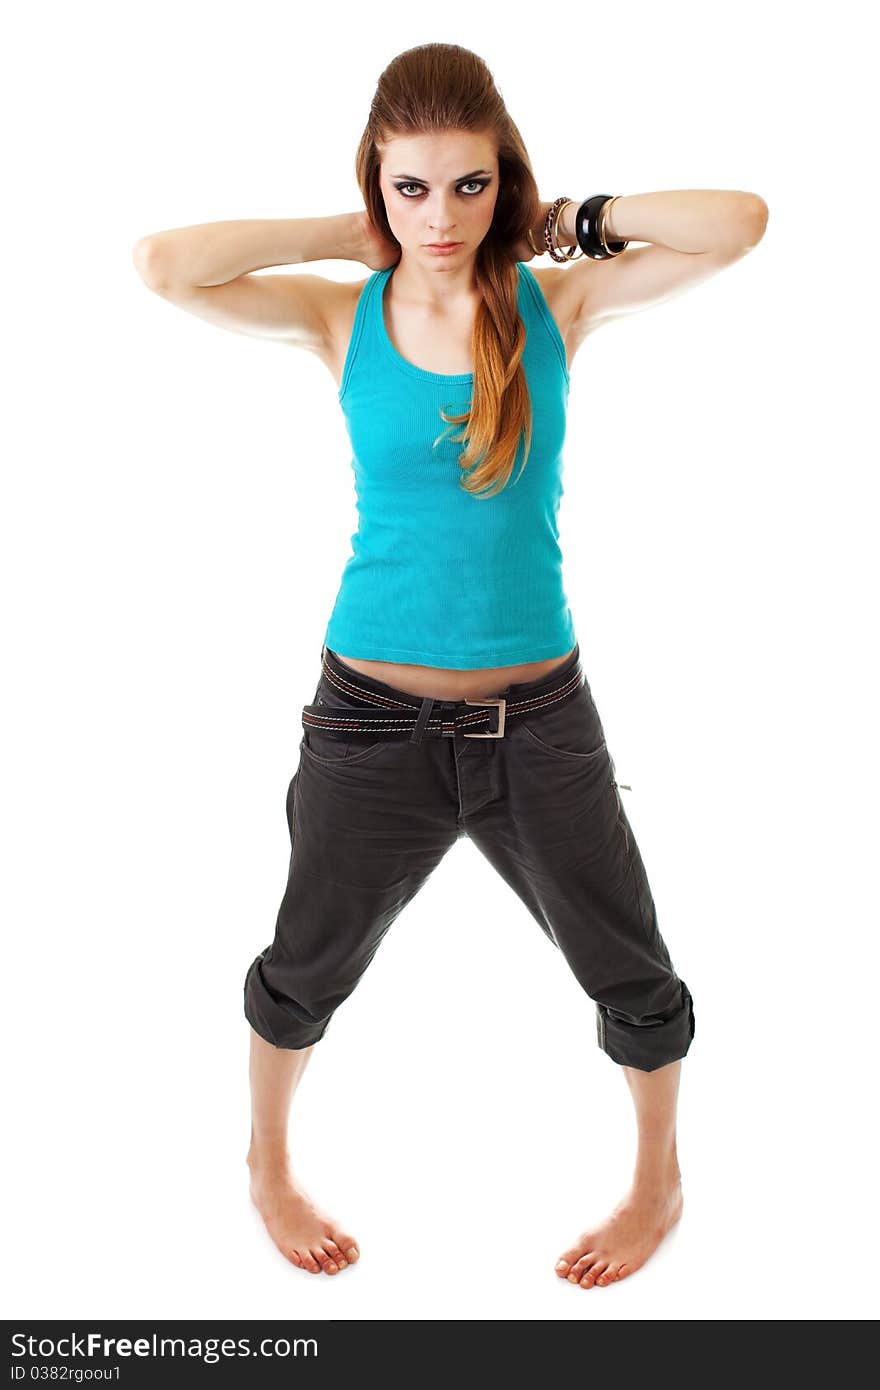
pixel 369 821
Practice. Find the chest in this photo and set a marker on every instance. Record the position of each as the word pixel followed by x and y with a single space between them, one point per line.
pixel 433 342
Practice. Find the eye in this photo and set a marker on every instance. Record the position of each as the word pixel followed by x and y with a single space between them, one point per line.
pixel 478 184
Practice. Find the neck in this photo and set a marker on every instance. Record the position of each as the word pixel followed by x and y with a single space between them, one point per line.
pixel 434 286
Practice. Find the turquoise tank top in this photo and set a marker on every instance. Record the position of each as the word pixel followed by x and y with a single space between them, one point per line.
pixel 438 577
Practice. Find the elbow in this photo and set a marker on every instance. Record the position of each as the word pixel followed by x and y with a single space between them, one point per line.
pixel 148 262
pixel 755 224
pixel 743 226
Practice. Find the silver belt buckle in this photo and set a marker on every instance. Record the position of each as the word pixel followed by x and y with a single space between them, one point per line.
pixel 502 705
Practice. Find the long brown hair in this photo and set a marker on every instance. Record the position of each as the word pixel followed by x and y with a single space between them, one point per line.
pixel 438 87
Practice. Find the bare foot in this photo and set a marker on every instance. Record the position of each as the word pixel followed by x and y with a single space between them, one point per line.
pixel 630 1235
pixel 304 1234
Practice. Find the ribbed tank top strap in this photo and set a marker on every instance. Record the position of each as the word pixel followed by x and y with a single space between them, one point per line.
pixel 365 344
pixel 535 309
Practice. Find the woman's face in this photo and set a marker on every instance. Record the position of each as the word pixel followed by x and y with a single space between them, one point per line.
pixel 439 187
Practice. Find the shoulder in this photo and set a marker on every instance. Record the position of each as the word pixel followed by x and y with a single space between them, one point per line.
pixel 551 284
pixel 340 306
pixel 547 285
pixel 563 296
pixel 340 299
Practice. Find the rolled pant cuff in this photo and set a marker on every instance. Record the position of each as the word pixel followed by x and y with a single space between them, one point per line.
pixel 280 1022
pixel 651 1044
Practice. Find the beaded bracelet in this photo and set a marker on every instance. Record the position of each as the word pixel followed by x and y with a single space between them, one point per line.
pixel 551 243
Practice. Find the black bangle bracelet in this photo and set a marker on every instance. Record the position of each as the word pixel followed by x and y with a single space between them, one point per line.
pixel 587 230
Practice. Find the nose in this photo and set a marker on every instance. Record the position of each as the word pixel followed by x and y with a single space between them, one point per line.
pixel 442 223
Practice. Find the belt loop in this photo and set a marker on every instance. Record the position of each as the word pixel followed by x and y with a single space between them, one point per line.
pixel 424 714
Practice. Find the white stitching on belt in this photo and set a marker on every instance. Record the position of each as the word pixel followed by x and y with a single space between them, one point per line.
pixel 349 687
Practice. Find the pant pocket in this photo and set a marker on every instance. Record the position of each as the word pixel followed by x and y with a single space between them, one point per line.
pixel 325 747
pixel 570 730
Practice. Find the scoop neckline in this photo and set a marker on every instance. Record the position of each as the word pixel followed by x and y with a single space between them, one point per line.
pixel 445 378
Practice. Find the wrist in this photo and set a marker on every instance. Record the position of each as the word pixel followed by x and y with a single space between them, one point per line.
pixel 611 232
pixel 565 227
pixel 565 232
pixel 352 236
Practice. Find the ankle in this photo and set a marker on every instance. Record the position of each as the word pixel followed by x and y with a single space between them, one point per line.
pixel 268 1154
pixel 656 1169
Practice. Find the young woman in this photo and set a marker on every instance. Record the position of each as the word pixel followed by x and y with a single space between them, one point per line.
pixel 451 700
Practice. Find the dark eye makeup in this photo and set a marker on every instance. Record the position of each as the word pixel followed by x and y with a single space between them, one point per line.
pixel 480 185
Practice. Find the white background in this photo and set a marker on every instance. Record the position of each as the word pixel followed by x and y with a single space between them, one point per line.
pixel 177 507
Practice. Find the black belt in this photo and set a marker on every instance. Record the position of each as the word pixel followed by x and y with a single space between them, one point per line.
pixel 417 717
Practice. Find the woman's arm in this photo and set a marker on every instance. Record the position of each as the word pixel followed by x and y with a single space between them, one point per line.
pixel 692 234
pixel 692 220
pixel 207 270
pixel 214 253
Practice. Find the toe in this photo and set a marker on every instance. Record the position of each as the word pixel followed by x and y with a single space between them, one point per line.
pixel 582 1264
pixel 295 1258
pixel 593 1273
pixel 348 1245
pixel 609 1275
pixel 310 1262
pixel 570 1256
pixel 334 1252
pixel 323 1259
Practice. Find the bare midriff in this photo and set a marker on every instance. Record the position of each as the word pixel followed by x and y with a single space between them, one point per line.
pixel 448 684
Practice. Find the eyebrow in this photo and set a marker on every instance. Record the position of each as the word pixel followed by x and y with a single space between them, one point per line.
pixel 413 179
